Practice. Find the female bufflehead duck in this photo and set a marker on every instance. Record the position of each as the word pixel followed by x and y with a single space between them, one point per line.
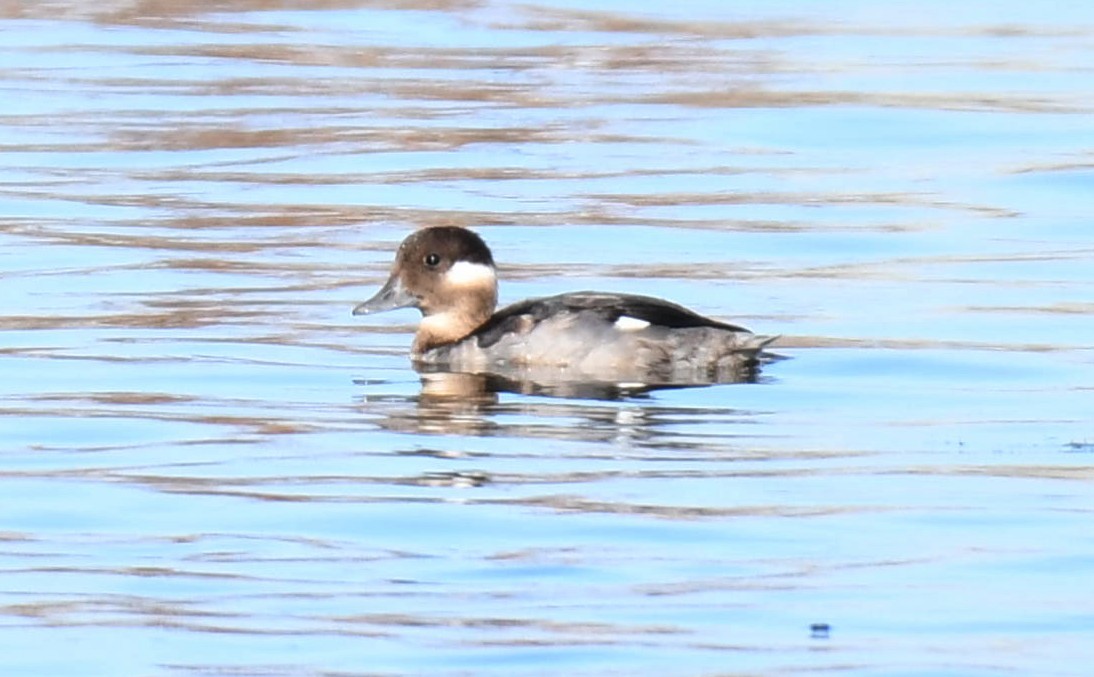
pixel 448 274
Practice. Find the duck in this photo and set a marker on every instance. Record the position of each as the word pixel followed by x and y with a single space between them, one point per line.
pixel 448 274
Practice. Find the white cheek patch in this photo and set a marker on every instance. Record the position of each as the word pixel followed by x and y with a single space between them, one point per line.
pixel 625 323
pixel 467 274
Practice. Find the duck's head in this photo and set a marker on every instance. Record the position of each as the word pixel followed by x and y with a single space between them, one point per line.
pixel 448 274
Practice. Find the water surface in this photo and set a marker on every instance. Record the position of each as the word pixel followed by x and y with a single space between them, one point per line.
pixel 209 467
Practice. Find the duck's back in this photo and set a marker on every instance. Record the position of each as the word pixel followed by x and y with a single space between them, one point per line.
pixel 607 337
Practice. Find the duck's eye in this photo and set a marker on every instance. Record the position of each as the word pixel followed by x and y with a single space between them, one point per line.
pixel 432 260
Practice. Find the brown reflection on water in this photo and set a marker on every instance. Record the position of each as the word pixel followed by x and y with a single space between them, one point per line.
pixel 175 316
pixel 143 12
pixel 964 101
pixel 197 137
pixel 584 505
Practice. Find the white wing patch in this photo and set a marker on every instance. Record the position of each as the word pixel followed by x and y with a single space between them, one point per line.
pixel 625 323
pixel 467 274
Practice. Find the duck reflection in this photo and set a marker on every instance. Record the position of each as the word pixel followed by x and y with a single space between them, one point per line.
pixel 473 404
pixel 439 384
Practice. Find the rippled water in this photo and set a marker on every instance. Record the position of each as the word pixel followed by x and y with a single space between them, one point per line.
pixel 209 467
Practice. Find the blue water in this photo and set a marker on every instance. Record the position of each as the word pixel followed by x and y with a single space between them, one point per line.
pixel 210 467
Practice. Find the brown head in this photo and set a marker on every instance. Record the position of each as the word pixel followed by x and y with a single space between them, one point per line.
pixel 448 274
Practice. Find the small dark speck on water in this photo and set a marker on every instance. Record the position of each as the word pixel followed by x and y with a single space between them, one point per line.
pixel 819 630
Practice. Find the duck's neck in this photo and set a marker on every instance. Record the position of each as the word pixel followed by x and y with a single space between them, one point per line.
pixel 450 326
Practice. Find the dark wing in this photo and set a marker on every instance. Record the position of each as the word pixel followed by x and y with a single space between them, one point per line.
pixel 653 310
pixel 522 316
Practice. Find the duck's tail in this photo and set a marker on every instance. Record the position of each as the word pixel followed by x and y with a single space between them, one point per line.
pixel 757 348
